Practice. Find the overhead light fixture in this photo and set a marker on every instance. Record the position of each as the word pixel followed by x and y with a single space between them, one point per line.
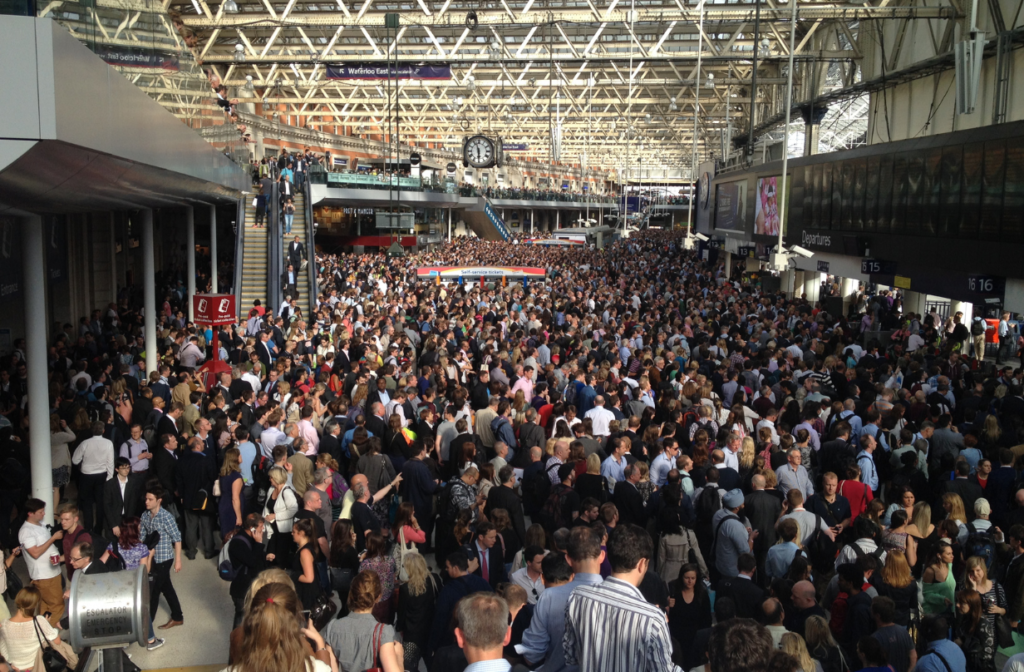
pixel 240 52
pixel 711 81
pixel 230 7
pixel 195 4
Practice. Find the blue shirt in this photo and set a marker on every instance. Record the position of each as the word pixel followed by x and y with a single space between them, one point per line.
pixel 930 662
pixel 611 469
pixel 868 473
pixel 660 467
pixel 543 639
pixel 248 451
pixel 779 558
pixel 879 435
pixel 499 665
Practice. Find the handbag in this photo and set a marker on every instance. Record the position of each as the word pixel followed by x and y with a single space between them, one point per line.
pixel 378 634
pixel 323 610
pixel 52 658
pixel 1004 632
pixel 14 584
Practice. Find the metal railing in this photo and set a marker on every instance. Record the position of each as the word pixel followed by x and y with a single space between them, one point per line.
pixel 275 251
pixel 310 246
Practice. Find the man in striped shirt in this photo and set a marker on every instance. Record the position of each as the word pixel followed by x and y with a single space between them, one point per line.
pixel 610 626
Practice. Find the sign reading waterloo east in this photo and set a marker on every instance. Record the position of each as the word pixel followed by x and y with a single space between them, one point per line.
pixel 371 71
pixel 474 272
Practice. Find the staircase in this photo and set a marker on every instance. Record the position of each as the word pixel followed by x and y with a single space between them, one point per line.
pixel 299 229
pixel 254 262
pixel 485 222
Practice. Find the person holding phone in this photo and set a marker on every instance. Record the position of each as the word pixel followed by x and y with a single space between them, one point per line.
pixel 43 559
pixel 248 557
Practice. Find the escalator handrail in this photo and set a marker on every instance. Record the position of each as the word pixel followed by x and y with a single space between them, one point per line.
pixel 274 251
pixel 239 255
pixel 310 245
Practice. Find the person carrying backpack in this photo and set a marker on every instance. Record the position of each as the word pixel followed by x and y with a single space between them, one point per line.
pixel 563 503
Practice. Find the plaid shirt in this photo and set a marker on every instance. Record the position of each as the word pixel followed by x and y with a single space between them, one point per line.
pixel 163 523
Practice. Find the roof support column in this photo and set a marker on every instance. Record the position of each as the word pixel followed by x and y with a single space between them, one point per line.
pixel 213 249
pixel 149 290
pixel 190 258
pixel 34 271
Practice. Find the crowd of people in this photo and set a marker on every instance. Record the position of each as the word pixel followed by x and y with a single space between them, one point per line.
pixel 638 463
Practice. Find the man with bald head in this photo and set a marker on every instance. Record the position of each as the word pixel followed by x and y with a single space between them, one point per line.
pixel 762 510
pixel 805 605
pixel 601 417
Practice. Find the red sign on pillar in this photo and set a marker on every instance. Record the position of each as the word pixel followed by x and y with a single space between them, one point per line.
pixel 214 309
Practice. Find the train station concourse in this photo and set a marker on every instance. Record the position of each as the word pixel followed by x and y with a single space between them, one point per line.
pixel 601 335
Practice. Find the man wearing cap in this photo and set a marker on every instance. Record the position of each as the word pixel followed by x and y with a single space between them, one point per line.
pixel 732 535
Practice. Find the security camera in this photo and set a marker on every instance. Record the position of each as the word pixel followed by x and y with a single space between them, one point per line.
pixel 701 237
pixel 803 252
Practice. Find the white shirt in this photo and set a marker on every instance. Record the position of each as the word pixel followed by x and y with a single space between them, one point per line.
pixel 600 417
pixel 96 455
pixel 251 378
pixel 533 589
pixel 41 568
pixel 731 459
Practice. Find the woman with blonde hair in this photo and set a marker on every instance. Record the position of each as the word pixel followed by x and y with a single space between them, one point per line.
pixel 922 520
pixel 822 647
pixel 592 483
pixel 232 506
pixel 417 599
pixel 898 584
pixel 266 577
pixel 954 507
pixel 794 645
pixel 993 596
pixel 359 395
pixel 274 636
pixel 747 452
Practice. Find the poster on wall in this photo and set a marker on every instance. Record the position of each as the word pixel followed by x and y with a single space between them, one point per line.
pixel 766 207
pixel 730 206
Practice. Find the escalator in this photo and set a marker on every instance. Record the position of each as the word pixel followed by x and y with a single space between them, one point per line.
pixel 485 222
pixel 251 262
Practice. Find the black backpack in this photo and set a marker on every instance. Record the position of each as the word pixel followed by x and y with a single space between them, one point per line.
pixel 822 551
pixel 261 477
pixel 537 489
pixel 444 503
pixel 982 544
pixel 708 503
pixel 552 514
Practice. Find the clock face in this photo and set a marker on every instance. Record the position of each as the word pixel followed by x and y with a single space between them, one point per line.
pixel 480 151
pixel 705 183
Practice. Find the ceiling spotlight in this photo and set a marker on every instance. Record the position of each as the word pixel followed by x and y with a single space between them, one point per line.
pixel 240 52
pixel 458 101
pixel 230 7
pixel 248 82
pixel 710 84
pixel 647 118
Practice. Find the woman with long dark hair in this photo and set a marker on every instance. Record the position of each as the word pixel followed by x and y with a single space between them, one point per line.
pixel 689 611
pixel 974 633
pixel 344 561
pixel 304 564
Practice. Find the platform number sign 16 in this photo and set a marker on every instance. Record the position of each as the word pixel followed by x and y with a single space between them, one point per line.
pixel 984 284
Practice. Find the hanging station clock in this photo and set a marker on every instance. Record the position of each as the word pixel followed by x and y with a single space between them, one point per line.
pixel 479 152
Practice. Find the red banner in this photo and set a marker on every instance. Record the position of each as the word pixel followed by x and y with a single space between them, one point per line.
pixel 214 309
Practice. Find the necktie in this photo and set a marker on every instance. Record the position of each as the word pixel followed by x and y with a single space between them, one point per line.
pixel 483 565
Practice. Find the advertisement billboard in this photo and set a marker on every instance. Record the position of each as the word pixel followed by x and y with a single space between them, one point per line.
pixel 730 205
pixel 766 207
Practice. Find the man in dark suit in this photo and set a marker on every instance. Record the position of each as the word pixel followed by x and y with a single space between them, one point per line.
pixel 195 473
pixel 969 491
pixel 263 347
pixel 296 252
pixel 485 550
pixel 530 433
pixel 81 558
pixel 164 466
pixel 285 190
pixel 728 478
pixel 168 422
pixel 744 592
pixel 379 394
pixel 375 421
pixel 122 496
pixel 289 281
pixel 628 499
pixel 762 510
pixel 504 497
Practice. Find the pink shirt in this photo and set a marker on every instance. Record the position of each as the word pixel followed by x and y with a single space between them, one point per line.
pixel 308 433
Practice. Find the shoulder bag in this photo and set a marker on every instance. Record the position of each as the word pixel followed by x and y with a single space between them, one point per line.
pixel 51 657
pixel 378 634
